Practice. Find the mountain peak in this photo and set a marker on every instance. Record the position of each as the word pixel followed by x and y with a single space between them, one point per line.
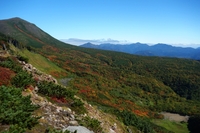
pixel 89 43
pixel 25 32
pixel 162 46
pixel 16 20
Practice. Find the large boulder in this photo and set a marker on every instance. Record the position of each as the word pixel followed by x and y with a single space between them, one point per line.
pixel 79 129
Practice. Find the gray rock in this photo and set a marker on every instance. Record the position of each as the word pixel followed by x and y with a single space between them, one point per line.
pixel 65 118
pixel 72 117
pixel 73 123
pixel 79 129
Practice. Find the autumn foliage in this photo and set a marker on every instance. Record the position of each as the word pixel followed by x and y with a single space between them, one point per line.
pixel 5 76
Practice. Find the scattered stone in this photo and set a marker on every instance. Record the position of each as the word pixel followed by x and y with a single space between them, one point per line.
pixel 65 118
pixel 72 117
pixel 37 75
pixel 36 89
pixel 114 127
pixel 73 123
pixel 111 131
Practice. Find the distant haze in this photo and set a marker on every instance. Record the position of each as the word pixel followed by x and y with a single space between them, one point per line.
pixel 76 41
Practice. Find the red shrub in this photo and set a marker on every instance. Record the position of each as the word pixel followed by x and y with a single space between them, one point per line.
pixel 59 100
pixel 5 76
pixel 30 87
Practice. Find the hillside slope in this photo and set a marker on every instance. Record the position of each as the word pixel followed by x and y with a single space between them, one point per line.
pixel 27 33
pixel 134 88
pixel 54 112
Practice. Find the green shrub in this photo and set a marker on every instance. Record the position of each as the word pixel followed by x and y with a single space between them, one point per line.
pixel 16 110
pixel 131 119
pixel 15 129
pixel 9 63
pixel 78 106
pixel 22 58
pixel 54 90
pixel 22 79
pixel 92 124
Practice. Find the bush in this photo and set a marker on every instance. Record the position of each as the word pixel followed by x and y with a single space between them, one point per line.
pixel 22 79
pixel 9 63
pixel 15 129
pixel 16 110
pixel 22 58
pixel 52 90
pixel 78 106
pixel 92 124
pixel 131 119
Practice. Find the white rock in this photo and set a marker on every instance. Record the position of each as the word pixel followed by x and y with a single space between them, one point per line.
pixel 79 129
pixel 68 110
pixel 73 123
pixel 72 116
pixel 112 131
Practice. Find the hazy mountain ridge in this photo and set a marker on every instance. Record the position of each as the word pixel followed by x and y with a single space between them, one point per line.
pixel 163 50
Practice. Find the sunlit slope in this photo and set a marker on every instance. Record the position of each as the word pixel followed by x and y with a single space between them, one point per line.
pixel 43 64
pixel 40 62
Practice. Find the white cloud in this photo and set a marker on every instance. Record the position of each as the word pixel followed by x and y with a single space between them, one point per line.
pixel 76 41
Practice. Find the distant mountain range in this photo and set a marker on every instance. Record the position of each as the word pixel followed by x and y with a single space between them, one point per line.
pixel 163 50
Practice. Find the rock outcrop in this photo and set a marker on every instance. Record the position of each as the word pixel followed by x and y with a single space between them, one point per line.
pixel 51 114
pixel 37 75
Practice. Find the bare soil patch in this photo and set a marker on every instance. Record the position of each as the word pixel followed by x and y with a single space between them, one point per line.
pixel 175 117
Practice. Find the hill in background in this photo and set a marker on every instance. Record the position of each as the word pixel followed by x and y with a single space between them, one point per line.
pixel 162 50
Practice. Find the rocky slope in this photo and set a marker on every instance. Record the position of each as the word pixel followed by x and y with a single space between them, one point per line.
pixel 62 117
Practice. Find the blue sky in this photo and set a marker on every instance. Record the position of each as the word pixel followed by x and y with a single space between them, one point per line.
pixel 147 21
